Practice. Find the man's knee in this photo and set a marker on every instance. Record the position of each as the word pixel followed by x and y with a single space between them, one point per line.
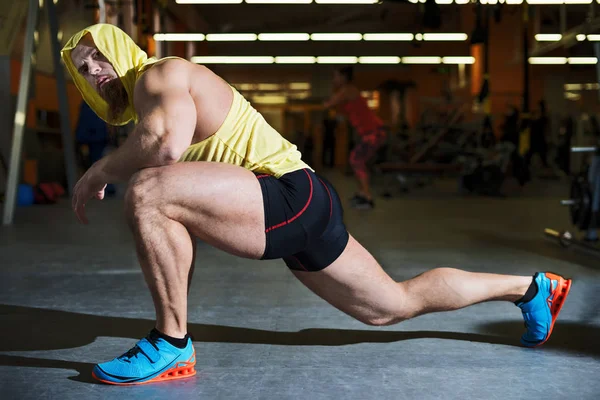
pixel 383 318
pixel 143 190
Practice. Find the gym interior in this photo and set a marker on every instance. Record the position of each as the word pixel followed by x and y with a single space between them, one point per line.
pixel 491 163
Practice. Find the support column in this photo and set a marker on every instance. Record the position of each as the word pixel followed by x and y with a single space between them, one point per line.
pixel 6 115
pixel 101 12
pixel 20 115
pixel 597 55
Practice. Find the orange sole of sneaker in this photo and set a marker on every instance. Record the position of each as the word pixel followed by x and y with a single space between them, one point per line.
pixel 559 296
pixel 186 370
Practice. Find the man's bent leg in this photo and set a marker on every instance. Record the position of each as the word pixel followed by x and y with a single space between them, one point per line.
pixel 167 208
pixel 357 285
pixel 165 251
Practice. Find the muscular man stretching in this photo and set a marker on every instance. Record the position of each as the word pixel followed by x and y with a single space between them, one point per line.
pixel 202 163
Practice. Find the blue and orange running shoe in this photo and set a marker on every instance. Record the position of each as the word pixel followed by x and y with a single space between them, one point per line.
pixel 540 313
pixel 152 359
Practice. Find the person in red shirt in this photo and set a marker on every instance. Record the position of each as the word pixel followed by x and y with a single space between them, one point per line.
pixel 348 101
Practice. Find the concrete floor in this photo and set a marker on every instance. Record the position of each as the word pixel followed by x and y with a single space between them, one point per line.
pixel 73 295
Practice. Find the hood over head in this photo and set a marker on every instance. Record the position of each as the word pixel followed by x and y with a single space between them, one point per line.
pixel 128 60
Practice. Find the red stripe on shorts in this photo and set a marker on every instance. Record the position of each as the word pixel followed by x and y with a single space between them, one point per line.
pixel 301 211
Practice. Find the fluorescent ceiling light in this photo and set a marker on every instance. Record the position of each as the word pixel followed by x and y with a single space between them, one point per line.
pixel 547 60
pixel 278 1
pixel 284 36
pixel 269 86
pixel 573 86
pixel 458 60
pixel 548 2
pixel 583 60
pixel 514 1
pixel 361 60
pixel 379 60
pixel 229 37
pixel 336 36
pixel 548 37
pixel 269 99
pixel 245 86
pixel 421 60
pixel 232 60
pixel 295 60
pixel 443 1
pixel 242 37
pixel 179 37
pixel 388 36
pixel 593 38
pixel 208 1
pixel 299 86
pixel 346 1
pixel 444 36
pixel 337 60
pixel 580 37
pixel 299 95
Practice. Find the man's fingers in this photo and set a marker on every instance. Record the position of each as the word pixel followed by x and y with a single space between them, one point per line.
pixel 80 212
pixel 100 194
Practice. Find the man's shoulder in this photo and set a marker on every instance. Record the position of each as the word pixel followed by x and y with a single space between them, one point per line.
pixel 165 73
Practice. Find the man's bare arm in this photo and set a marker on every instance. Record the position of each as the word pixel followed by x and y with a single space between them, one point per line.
pixel 167 120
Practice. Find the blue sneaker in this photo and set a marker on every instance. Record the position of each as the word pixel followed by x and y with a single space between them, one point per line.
pixel 541 312
pixel 152 359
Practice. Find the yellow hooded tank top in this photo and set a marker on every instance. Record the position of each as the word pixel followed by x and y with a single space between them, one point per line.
pixel 244 138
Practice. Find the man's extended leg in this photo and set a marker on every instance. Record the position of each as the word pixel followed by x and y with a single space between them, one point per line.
pixel 358 286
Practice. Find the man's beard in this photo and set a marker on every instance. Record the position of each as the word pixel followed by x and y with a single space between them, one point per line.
pixel 113 92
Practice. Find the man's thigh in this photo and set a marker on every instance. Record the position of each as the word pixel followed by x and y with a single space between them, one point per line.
pixel 219 203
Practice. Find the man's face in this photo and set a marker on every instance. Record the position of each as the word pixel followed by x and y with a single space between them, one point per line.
pixel 100 74
pixel 93 66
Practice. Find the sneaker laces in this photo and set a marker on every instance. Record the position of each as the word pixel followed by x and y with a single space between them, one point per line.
pixel 135 350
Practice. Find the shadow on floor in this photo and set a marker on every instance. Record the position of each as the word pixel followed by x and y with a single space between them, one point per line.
pixel 36 329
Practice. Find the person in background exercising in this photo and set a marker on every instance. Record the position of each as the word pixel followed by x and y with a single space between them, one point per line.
pixel 348 101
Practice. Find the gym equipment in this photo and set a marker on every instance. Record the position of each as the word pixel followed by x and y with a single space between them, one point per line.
pixel 485 170
pixel 20 115
pixel 580 202
pixel 25 195
pixel 566 239
pixel 584 204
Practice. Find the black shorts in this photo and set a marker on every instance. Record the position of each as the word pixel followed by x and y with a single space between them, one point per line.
pixel 303 220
